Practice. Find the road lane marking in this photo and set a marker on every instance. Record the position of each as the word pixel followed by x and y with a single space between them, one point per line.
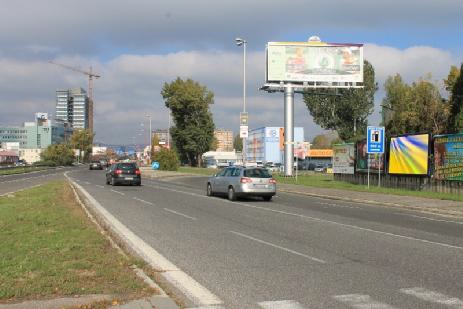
pixel 143 201
pixel 179 213
pixel 278 247
pixel 99 186
pixel 317 219
pixel 118 192
pixel 434 297
pixel 281 304
pixel 432 219
pixel 359 301
pixel 192 289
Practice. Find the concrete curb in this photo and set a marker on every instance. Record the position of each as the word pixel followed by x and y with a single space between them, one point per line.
pixel 435 211
pixel 193 290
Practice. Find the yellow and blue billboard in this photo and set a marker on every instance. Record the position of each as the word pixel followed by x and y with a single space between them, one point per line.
pixel 409 155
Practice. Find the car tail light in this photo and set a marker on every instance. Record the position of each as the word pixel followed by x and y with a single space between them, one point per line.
pixel 272 180
pixel 137 171
pixel 245 180
pixel 118 172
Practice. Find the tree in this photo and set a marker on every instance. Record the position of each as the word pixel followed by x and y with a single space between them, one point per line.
pixel 238 143
pixel 82 139
pixel 321 141
pixel 167 158
pixel 344 110
pixel 193 129
pixel 58 154
pixel 154 146
pixel 413 108
pixel 455 123
pixel 451 78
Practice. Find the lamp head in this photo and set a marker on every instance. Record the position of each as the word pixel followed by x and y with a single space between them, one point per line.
pixel 239 41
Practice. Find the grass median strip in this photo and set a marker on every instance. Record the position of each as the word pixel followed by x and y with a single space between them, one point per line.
pixel 50 249
pixel 22 170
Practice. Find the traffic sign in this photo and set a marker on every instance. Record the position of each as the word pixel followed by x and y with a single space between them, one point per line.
pixel 155 165
pixel 243 119
pixel 375 139
pixel 244 131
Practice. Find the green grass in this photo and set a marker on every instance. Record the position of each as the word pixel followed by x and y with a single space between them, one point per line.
pixel 49 248
pixel 21 170
pixel 327 181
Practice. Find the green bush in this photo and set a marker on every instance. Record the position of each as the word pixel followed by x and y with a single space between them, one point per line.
pixel 58 154
pixel 167 159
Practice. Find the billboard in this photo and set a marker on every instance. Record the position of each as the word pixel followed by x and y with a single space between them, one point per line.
pixel 343 158
pixel 409 154
pixel 448 157
pixel 361 158
pixel 308 62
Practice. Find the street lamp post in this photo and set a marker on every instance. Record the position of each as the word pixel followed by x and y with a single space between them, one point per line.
pixel 151 140
pixel 242 42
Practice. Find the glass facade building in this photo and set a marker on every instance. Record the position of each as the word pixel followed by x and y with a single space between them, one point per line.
pixel 72 107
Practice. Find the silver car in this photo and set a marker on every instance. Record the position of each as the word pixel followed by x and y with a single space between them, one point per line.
pixel 242 181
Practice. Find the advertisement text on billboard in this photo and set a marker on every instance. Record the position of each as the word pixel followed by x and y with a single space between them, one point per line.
pixel 343 158
pixel 448 157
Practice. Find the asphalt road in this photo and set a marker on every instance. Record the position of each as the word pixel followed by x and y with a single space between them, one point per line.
pixel 15 182
pixel 296 251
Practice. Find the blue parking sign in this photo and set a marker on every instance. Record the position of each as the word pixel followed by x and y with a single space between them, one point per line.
pixel 375 139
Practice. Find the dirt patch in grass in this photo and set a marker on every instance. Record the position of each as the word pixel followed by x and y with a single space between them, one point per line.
pixel 50 249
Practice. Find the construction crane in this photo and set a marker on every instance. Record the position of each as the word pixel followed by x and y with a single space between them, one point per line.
pixel 91 75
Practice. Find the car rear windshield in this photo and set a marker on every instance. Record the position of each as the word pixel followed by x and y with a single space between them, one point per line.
pixel 257 173
pixel 127 166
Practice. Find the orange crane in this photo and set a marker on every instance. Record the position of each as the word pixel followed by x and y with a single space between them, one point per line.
pixel 91 75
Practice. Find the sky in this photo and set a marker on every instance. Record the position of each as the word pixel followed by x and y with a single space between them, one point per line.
pixel 137 46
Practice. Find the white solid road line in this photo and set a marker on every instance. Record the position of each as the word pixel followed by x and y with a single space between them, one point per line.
pixel 179 213
pixel 434 297
pixel 143 201
pixel 198 294
pixel 359 301
pixel 318 219
pixel 118 192
pixel 432 219
pixel 281 304
pixel 279 247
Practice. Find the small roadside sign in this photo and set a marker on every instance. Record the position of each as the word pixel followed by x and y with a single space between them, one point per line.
pixel 243 119
pixel 244 131
pixel 375 139
pixel 155 165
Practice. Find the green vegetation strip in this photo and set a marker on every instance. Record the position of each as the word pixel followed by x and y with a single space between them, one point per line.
pixel 327 181
pixel 21 170
pixel 49 249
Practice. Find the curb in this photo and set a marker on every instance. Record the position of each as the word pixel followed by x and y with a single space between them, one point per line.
pixel 435 211
pixel 190 288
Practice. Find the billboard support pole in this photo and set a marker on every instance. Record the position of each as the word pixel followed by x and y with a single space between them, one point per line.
pixel 379 170
pixel 368 167
pixel 289 130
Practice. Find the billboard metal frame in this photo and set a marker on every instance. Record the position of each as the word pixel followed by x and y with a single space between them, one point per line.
pixel 291 87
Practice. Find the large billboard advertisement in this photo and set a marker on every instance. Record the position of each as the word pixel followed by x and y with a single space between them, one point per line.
pixel 343 158
pixel 306 62
pixel 448 157
pixel 409 154
pixel 362 158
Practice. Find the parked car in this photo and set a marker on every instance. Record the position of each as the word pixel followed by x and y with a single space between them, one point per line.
pixel 237 182
pixel 319 168
pixel 95 165
pixel 123 173
pixel 104 163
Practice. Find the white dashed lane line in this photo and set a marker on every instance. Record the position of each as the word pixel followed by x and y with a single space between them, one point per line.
pixel 180 214
pixel 143 201
pixel 118 192
pixel 279 247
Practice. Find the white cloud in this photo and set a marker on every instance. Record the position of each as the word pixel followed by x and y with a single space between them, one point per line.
pixel 130 86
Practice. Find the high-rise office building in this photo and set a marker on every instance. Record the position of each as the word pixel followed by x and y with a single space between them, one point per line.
pixel 72 107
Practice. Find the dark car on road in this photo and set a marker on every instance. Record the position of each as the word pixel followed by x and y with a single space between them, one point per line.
pixel 123 173
pixel 95 165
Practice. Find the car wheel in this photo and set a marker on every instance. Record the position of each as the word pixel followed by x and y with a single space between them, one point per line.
pixel 231 194
pixel 267 198
pixel 209 190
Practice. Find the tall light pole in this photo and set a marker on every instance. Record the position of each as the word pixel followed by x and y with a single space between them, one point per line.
pixel 242 42
pixel 151 140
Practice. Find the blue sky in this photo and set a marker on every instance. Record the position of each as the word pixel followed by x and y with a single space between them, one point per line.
pixel 137 46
